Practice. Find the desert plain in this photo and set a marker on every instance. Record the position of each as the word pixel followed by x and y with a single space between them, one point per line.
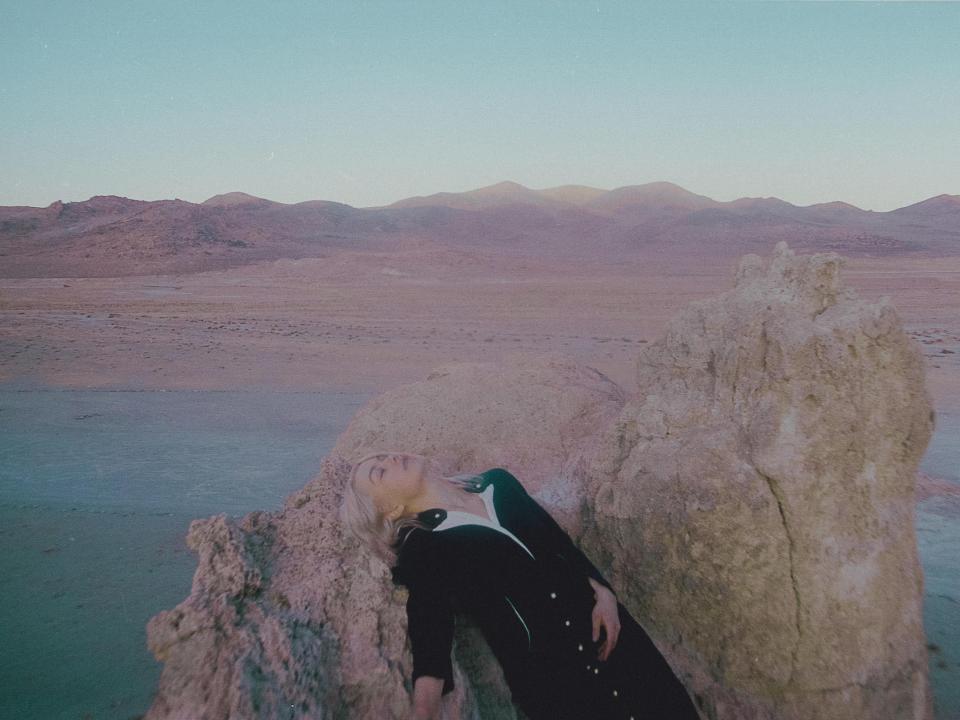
pixel 366 321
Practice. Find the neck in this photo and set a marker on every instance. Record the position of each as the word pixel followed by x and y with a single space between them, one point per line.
pixel 443 494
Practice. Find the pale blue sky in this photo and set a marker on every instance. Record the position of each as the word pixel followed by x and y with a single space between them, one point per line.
pixel 370 102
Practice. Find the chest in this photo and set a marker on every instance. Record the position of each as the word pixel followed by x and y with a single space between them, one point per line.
pixel 505 553
pixel 488 521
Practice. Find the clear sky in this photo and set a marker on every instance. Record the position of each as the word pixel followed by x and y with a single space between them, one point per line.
pixel 369 102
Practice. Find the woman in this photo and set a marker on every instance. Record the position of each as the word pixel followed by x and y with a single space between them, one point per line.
pixel 479 544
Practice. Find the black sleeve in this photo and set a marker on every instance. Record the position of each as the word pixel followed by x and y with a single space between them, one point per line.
pixel 430 614
pixel 559 538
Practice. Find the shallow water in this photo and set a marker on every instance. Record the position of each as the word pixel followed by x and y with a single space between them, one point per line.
pixel 97 489
pixel 79 588
pixel 938 534
pixel 938 542
pixel 164 451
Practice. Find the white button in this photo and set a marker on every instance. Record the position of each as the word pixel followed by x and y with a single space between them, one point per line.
pixel 588 667
pixel 553 594
pixel 614 693
pixel 596 670
pixel 580 646
pixel 566 622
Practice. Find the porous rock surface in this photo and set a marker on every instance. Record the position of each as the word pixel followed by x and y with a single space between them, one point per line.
pixel 751 499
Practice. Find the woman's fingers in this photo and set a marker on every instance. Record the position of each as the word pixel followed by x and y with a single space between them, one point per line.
pixel 610 643
pixel 613 631
pixel 607 615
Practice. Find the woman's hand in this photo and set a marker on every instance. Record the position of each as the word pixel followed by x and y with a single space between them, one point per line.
pixel 427 701
pixel 606 614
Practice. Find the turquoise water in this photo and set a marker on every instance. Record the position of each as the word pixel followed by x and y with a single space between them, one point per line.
pixel 938 542
pixel 188 452
pixel 97 489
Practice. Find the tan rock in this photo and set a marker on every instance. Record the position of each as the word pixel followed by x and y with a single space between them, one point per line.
pixel 761 489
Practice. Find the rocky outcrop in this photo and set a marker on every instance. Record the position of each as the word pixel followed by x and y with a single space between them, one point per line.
pixel 760 488
pixel 751 499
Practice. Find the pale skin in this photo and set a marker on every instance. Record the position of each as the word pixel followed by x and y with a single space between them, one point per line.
pixel 404 484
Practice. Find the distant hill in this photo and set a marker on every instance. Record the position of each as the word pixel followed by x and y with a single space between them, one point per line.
pixel 109 235
pixel 235 198
pixel 935 207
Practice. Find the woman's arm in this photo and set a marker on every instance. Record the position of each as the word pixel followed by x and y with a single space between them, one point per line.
pixel 557 535
pixel 430 624
pixel 606 613
pixel 427 696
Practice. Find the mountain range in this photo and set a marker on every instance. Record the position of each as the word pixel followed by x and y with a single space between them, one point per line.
pixel 109 235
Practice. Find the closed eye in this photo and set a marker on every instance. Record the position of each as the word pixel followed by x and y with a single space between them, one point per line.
pixel 374 468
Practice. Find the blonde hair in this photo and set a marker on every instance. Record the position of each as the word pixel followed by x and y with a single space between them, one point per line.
pixel 380 534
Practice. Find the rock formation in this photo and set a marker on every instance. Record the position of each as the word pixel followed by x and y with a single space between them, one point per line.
pixel 751 500
pixel 760 488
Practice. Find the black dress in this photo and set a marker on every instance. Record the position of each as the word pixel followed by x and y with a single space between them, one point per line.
pixel 534 612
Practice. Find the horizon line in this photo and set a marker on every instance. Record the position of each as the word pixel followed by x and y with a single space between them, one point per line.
pixel 483 187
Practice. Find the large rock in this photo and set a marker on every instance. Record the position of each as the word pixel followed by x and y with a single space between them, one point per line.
pixel 751 499
pixel 757 497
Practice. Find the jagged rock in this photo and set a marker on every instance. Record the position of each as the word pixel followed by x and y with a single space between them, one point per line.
pixel 232 650
pixel 751 499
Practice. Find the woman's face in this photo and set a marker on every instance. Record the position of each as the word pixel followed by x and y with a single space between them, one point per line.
pixel 391 479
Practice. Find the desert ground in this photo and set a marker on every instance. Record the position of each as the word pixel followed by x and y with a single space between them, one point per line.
pixel 366 321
